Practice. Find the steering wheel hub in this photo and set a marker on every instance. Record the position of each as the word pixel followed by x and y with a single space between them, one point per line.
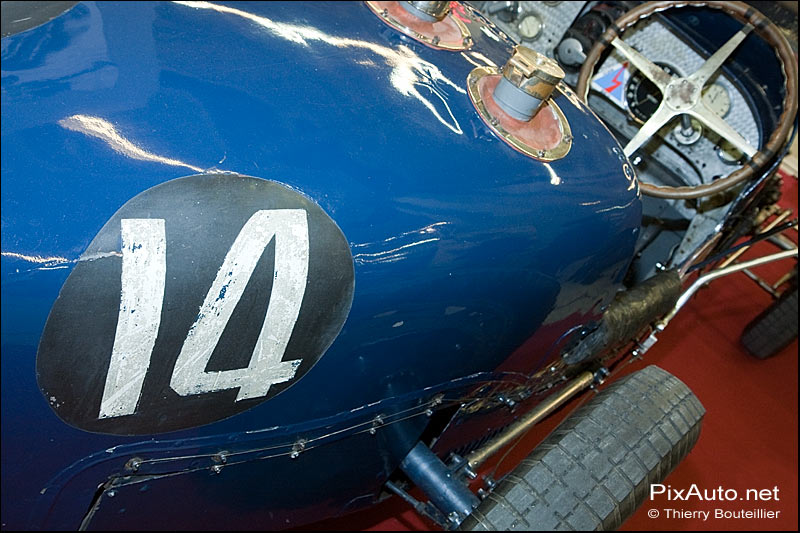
pixel 681 95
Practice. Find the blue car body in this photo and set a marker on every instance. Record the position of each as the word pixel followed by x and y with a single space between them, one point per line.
pixel 472 263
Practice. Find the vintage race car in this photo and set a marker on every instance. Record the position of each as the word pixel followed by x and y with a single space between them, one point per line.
pixel 269 263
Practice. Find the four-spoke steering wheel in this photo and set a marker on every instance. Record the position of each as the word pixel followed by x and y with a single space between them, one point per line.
pixel 683 95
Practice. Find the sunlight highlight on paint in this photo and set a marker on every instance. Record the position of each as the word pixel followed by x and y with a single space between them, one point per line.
pixel 395 251
pixel 486 61
pixel 554 178
pixel 106 132
pixel 36 258
pixel 430 228
pixel 387 256
pixel 409 71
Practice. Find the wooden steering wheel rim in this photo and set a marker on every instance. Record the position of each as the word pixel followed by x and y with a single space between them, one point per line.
pixel 768 31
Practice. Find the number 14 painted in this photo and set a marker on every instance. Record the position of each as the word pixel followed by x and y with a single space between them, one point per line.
pixel 143 281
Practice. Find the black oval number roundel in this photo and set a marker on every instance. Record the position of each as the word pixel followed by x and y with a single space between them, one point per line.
pixel 200 298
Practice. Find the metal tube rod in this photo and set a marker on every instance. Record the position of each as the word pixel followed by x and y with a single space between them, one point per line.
pixel 417 505
pixel 718 273
pixel 761 283
pixel 777 220
pixel 782 241
pixel 518 428
pixel 783 279
pixel 403 494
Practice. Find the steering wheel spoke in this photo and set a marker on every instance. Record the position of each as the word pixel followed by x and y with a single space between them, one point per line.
pixel 721 128
pixel 661 117
pixel 652 71
pixel 712 64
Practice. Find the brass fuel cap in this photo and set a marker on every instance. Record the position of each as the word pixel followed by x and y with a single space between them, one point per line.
pixel 528 81
pixel 431 23
pixel 431 11
pixel 518 104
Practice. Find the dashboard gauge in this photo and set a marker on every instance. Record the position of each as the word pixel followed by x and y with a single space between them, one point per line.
pixel 716 97
pixel 727 153
pixel 642 96
pixel 530 27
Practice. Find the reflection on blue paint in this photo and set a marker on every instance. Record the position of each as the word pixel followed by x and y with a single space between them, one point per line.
pixel 409 71
pixel 106 132
pixel 37 259
pixel 393 252
pixel 554 178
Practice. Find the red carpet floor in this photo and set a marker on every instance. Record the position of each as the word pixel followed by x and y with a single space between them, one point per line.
pixel 749 436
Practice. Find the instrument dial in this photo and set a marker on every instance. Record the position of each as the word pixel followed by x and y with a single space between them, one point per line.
pixel 717 99
pixel 530 27
pixel 642 96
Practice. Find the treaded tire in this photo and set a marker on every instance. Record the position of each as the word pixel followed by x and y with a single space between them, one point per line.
pixel 596 468
pixel 773 329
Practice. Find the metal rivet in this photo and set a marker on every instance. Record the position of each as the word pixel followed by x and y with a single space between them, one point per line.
pixel 221 457
pixel 376 422
pixel 297 447
pixel 134 464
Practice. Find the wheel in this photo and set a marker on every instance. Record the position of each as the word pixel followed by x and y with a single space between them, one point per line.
pixel 682 96
pixel 773 329
pixel 596 468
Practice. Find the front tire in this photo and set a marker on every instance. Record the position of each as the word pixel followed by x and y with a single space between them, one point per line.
pixel 596 468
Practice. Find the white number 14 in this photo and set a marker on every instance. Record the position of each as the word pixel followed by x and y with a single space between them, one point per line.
pixel 144 261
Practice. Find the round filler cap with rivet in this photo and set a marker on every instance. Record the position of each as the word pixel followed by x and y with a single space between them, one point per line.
pixel 527 82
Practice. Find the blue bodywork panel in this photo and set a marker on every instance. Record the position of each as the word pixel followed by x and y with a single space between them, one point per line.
pixel 472 261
